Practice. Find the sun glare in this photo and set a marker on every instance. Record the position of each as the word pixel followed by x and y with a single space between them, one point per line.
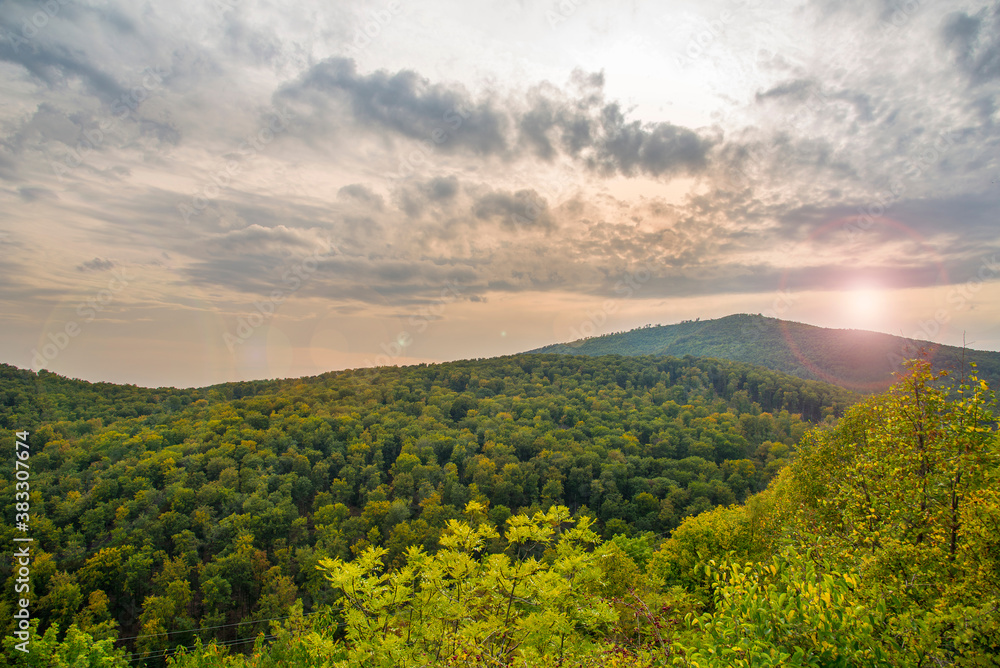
pixel 866 300
pixel 863 305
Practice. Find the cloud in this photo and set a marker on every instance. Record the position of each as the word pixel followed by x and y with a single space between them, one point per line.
pixel 362 194
pixel 97 264
pixel 583 125
pixel 797 88
pixel 658 149
pixel 256 239
pixel 407 104
pixel 55 64
pixel 521 209
pixel 545 122
pixel 29 194
pixel 441 188
pixel 974 40
pixel 415 196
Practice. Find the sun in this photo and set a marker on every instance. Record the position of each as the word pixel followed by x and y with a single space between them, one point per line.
pixel 866 301
pixel 863 305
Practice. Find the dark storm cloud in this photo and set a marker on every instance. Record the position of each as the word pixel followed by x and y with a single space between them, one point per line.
pixel 587 127
pixel 657 149
pixel 548 123
pixel 408 104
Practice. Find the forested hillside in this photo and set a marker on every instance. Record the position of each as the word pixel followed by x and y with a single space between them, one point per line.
pixel 855 359
pixel 161 517
pixel 879 545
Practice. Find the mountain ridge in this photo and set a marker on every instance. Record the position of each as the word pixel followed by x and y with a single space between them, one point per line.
pixel 859 360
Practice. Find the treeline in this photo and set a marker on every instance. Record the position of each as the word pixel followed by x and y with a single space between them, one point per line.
pixel 160 512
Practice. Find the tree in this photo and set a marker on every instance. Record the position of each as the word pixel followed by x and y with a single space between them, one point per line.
pixel 461 601
pixel 902 491
pixel 78 650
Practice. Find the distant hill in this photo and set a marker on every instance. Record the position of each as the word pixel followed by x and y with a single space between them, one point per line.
pixel 855 359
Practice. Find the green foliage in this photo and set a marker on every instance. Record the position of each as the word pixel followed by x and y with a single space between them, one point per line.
pixel 904 491
pixel 77 649
pixel 790 612
pixel 554 596
pixel 157 512
pixel 888 543
pixel 460 602
pixel 434 535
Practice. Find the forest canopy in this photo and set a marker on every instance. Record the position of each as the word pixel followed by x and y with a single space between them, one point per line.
pixel 167 518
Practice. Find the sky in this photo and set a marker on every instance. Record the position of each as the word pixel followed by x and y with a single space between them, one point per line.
pixel 194 192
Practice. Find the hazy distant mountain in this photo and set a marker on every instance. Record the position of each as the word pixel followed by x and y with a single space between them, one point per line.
pixel 856 359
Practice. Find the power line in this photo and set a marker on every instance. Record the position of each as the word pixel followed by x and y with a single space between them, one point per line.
pixel 209 628
pixel 170 651
pixel 162 654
